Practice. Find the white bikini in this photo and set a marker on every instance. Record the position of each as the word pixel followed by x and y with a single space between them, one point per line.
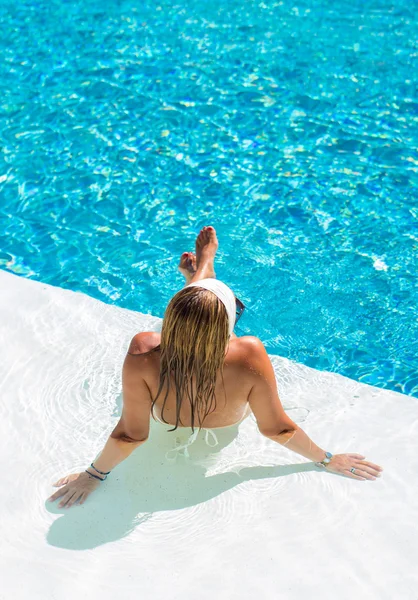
pixel 178 447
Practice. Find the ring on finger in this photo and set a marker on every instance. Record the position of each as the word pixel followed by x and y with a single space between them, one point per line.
pixel 353 470
pixel 362 474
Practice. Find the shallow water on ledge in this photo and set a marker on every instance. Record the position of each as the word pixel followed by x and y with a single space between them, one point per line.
pixel 291 129
pixel 246 502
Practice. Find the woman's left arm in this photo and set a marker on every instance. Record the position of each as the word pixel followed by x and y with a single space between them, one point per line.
pixel 131 431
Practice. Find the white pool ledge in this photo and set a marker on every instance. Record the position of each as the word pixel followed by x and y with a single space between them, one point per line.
pixel 252 522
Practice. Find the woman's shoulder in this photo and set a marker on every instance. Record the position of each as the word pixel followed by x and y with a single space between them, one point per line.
pixel 144 342
pixel 252 357
pixel 249 344
pixel 248 350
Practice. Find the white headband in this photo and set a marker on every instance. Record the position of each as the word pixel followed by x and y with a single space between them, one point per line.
pixel 225 295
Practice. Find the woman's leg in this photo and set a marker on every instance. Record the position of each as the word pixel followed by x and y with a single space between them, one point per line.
pixel 206 248
pixel 199 266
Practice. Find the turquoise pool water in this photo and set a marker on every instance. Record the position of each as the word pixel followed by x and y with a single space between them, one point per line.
pixel 290 127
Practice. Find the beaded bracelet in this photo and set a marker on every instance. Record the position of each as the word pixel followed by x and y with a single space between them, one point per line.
pixel 95 476
pixel 97 470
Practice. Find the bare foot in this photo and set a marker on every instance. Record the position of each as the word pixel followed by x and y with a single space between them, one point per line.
pixel 206 247
pixel 187 266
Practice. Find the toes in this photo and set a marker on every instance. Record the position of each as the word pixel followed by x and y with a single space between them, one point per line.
pixel 183 259
pixel 200 238
pixel 206 235
pixel 187 264
pixel 191 262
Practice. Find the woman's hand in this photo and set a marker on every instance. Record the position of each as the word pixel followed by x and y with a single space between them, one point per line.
pixel 344 464
pixel 77 488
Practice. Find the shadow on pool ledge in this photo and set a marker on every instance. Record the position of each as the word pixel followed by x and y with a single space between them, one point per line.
pixel 145 484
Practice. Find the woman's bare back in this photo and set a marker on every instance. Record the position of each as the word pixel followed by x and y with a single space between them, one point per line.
pixel 231 394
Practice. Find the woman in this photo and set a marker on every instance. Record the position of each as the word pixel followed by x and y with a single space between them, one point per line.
pixel 198 374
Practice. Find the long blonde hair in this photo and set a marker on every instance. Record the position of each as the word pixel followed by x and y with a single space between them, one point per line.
pixel 194 340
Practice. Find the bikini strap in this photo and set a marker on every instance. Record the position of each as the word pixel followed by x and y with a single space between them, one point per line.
pixel 176 451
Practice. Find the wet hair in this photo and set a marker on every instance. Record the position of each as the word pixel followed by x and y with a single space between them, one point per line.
pixel 194 340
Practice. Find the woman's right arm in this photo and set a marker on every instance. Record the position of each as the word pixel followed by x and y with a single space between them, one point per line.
pixel 274 423
pixel 130 433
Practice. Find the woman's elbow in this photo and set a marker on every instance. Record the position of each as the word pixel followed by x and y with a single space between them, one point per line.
pixel 130 437
pixel 276 431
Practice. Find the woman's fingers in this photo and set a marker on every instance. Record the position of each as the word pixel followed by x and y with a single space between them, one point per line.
pixel 347 463
pixel 58 494
pixel 67 479
pixel 74 489
pixel 353 475
pixel 66 498
pixel 360 458
pixel 69 497
pixel 61 481
pixel 74 498
pixel 364 473
pixel 365 463
pixel 83 498
pixel 372 469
